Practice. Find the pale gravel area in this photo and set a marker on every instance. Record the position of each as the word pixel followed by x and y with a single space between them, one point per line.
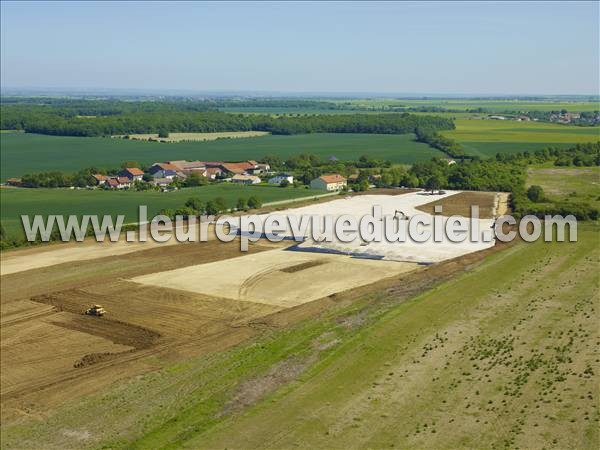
pixel 409 251
pixel 277 277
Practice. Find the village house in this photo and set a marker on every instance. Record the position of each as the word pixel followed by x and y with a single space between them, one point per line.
pixel 161 166
pixel 164 173
pixel 100 179
pixel 118 182
pixel 330 182
pixel 132 173
pixel 277 179
pixel 245 179
pixel 14 182
pixel 213 172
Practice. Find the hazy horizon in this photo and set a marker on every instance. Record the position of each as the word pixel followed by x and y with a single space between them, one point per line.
pixel 458 49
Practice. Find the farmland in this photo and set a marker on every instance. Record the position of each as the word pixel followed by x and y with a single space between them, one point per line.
pixel 65 201
pixel 25 153
pixel 567 183
pixel 495 349
pixel 485 138
pixel 457 106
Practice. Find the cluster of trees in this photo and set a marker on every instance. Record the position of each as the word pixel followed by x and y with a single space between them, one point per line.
pixel 195 206
pixel 115 118
pixel 57 179
pixel 507 173
pixel 446 145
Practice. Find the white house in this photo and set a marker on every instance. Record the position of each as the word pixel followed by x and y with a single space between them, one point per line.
pixel 331 182
pixel 277 179
pixel 245 179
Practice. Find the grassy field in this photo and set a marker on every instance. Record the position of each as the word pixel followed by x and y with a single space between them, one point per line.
pixel 577 184
pixel 505 355
pixel 485 138
pixel 17 201
pixel 22 153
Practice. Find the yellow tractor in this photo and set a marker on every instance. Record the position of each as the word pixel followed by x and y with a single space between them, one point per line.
pixel 95 310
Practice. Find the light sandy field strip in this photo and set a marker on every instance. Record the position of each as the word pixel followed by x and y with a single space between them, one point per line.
pixel 182 137
pixel 36 258
pixel 277 277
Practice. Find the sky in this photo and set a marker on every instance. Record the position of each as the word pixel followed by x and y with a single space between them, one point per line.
pixel 486 48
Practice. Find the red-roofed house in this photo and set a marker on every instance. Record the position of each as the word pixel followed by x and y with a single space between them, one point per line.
pixel 118 182
pixel 213 172
pixel 100 179
pixel 330 182
pixel 132 174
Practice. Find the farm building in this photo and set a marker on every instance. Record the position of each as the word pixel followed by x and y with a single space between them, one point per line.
pixel 161 166
pixel 213 172
pixel 165 173
pixel 14 182
pixel 239 168
pixel 100 179
pixel 330 182
pixel 245 179
pixel 162 182
pixel 118 182
pixel 132 173
pixel 277 179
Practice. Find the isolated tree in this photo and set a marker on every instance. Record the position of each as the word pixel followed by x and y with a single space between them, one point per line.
pixel 284 183
pixel 254 203
pixel 535 193
pixel 242 204
pixel 221 204
pixel 434 182
pixel 162 133
pixel 196 204
pixel 212 208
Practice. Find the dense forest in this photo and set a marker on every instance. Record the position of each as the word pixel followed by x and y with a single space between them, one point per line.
pixel 109 118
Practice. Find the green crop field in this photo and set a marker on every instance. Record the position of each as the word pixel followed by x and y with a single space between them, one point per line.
pixel 485 138
pixel 489 105
pixel 22 153
pixel 18 201
pixel 503 355
pixel 576 184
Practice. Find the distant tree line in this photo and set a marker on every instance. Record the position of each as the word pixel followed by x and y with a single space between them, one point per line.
pixel 114 118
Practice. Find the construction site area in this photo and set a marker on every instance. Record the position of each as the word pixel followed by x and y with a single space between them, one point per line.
pixel 78 317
